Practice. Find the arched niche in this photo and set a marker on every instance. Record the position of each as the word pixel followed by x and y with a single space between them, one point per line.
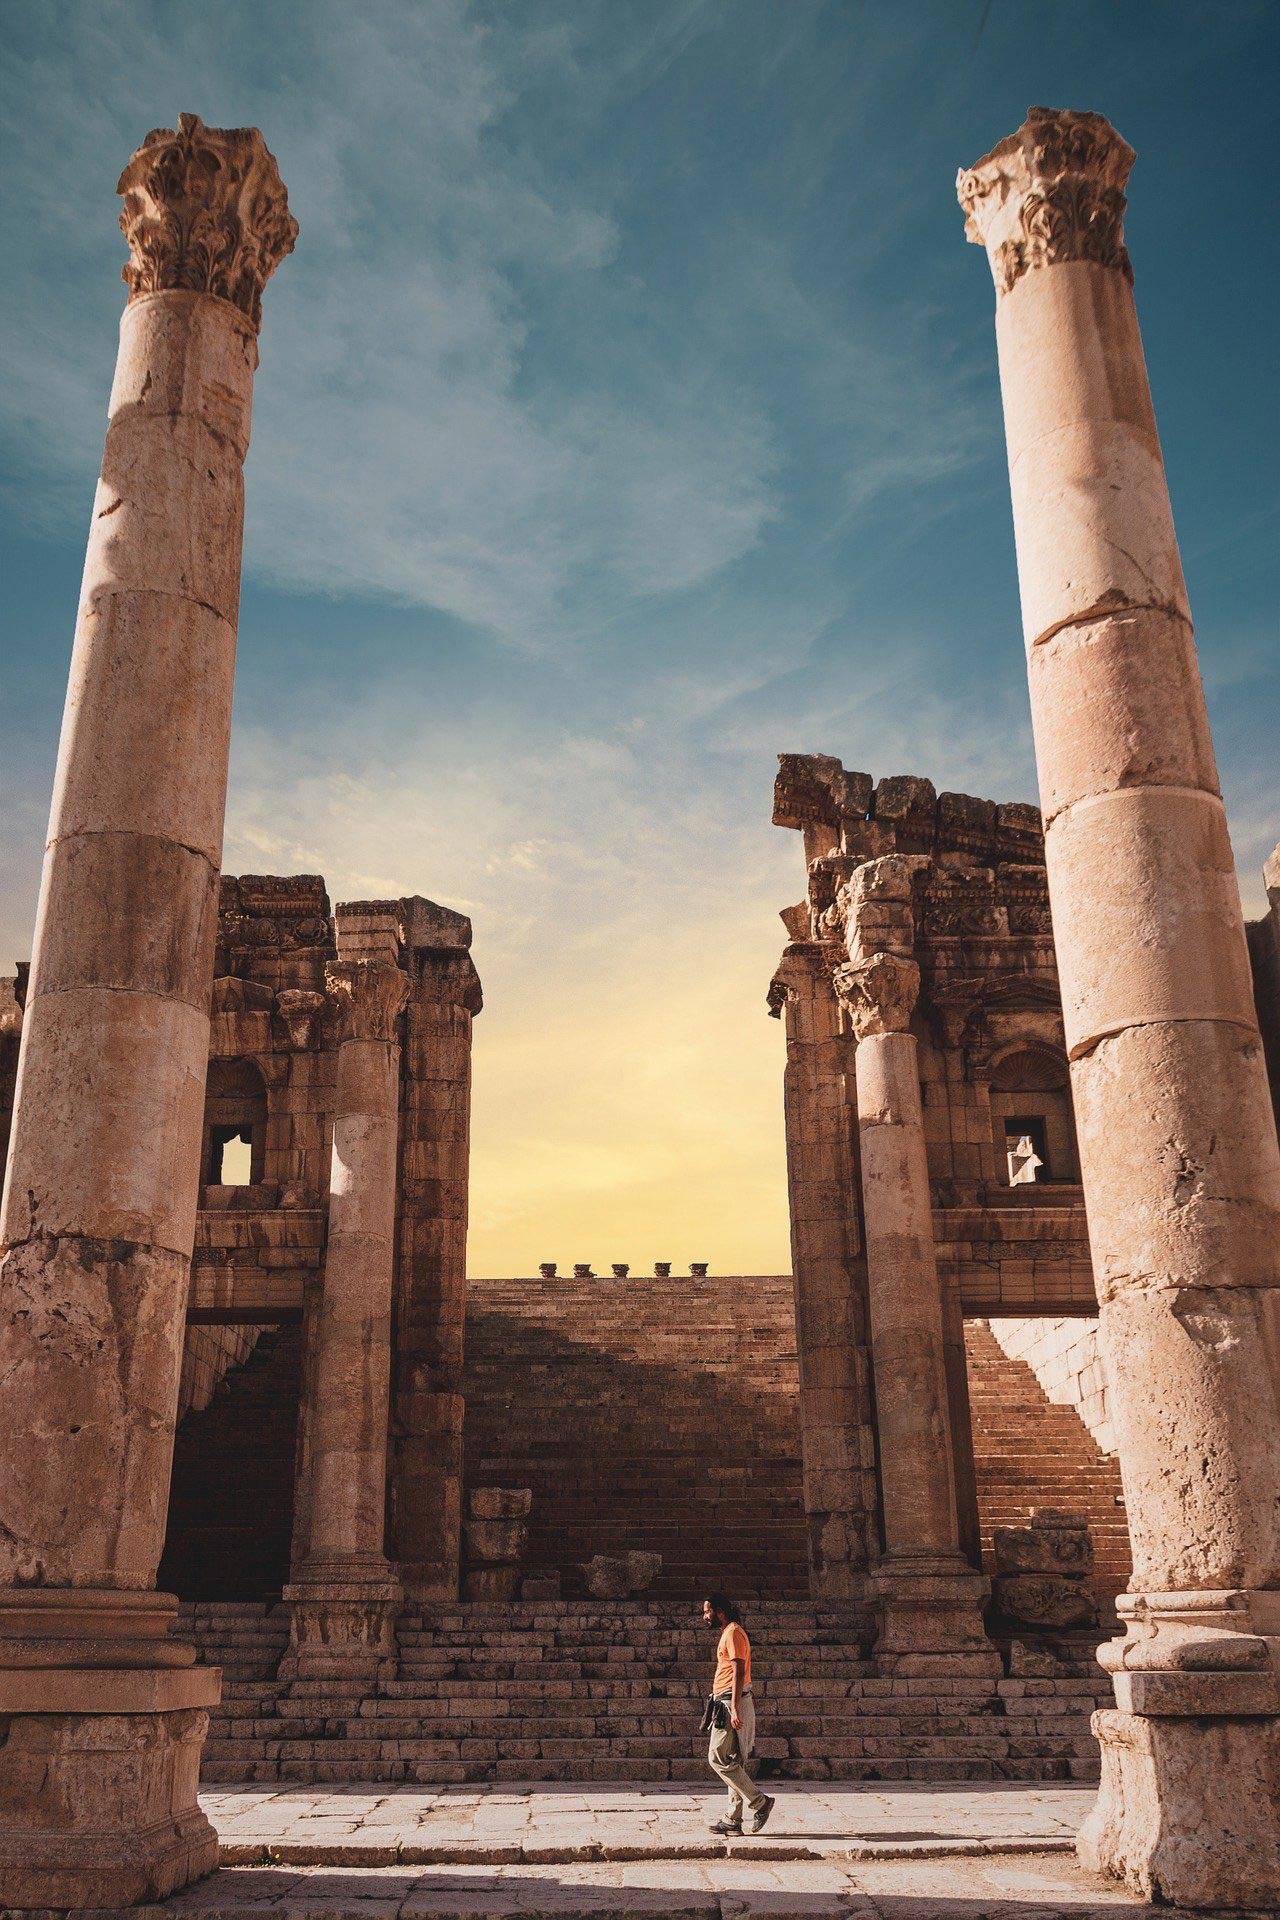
pixel 1030 1090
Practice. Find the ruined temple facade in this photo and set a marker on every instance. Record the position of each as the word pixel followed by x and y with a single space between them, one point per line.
pixel 956 888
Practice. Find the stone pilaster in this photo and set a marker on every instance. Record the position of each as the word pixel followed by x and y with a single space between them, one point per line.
pixel 344 1598
pixel 426 1477
pixel 931 1598
pixel 105 1715
pixel 830 1276
pixel 1177 1139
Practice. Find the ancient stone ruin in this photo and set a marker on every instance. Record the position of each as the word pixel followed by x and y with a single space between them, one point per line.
pixel 280 1489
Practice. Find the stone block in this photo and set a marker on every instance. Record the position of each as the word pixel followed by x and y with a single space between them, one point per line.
pixel 1045 1600
pixel 642 1570
pixel 1041 1549
pixel 540 1586
pixel 496 1539
pixel 607 1578
pixel 491 1583
pixel 501 1503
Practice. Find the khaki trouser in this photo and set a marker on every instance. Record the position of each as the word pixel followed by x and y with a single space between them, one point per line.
pixel 728 1754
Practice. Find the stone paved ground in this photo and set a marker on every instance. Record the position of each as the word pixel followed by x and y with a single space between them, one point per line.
pixel 902 1852
pixel 506 1825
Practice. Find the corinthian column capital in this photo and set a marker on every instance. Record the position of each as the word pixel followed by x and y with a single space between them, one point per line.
pixel 1052 192
pixel 878 994
pixel 205 211
pixel 367 996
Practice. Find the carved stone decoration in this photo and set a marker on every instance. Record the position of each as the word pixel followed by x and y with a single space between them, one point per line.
pixel 880 994
pixel 300 1009
pixel 231 994
pixel 367 997
pixel 205 211
pixel 1052 192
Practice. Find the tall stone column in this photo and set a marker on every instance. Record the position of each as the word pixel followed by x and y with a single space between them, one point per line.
pixel 104 1714
pixel 931 1598
pixel 431 1304
pixel 837 1442
pixel 1177 1141
pixel 345 1598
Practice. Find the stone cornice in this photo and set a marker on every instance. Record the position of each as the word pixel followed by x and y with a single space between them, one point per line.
pixel 367 997
pixel 1052 192
pixel 205 211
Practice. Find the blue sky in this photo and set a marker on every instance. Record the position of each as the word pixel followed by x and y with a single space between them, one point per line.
pixel 628 414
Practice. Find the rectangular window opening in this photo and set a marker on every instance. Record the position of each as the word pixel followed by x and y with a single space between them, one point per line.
pixel 231 1157
pixel 1026 1151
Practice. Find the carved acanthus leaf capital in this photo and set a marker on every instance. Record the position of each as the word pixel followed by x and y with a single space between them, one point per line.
pixel 205 211
pixel 1052 192
pixel 878 994
pixel 367 997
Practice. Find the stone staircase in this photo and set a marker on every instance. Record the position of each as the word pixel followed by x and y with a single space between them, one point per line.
pixel 589 1690
pixel 655 1414
pixel 1029 1453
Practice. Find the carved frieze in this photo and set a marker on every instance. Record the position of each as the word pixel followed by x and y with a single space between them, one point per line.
pixel 205 211
pixel 1052 192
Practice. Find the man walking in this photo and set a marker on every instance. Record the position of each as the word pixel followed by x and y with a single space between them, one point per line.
pixel 731 1743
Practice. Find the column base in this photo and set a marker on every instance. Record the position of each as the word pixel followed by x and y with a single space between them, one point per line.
pixel 931 1619
pixel 100 1765
pixel 342 1623
pixel 1188 1809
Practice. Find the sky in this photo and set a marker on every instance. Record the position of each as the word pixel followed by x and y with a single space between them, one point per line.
pixel 627 415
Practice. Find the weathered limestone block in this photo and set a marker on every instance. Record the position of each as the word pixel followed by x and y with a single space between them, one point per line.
pixel 496 1539
pixel 501 1503
pixel 540 1586
pixel 491 1583
pixel 642 1570
pixel 1045 1600
pixel 1044 1548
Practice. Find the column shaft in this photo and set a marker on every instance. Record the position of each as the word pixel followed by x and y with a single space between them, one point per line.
pixel 432 1289
pixel 830 1283
pixel 1177 1140
pixel 344 1598
pixel 931 1598
pixel 103 1710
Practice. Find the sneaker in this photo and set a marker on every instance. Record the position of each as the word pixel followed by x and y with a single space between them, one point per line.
pixel 761 1814
pixel 726 1826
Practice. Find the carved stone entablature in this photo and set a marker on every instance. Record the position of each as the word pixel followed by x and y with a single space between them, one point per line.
pixel 205 211
pixel 302 1011
pixel 962 903
pixel 1052 192
pixel 367 998
pixel 814 789
pixel 231 994
pixel 449 975
pixel 879 906
pixel 1025 892
pixel 805 966
pixel 984 1014
pixel 878 994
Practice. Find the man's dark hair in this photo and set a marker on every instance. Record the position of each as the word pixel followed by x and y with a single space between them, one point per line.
pixel 721 1603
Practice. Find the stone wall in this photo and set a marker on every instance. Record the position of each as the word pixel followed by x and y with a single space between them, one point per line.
pixel 1063 1355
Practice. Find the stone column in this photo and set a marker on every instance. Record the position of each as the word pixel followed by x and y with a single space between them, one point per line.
pixel 1177 1141
pixel 104 1714
pixel 345 1597
pixel 431 1302
pixel 837 1442
pixel 931 1597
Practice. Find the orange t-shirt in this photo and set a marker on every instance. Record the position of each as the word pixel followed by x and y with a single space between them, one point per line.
pixel 734 1645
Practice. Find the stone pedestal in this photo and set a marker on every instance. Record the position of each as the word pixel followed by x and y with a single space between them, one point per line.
pixel 344 1598
pixel 1177 1139
pixel 837 1444
pixel 98 1770
pixel 931 1599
